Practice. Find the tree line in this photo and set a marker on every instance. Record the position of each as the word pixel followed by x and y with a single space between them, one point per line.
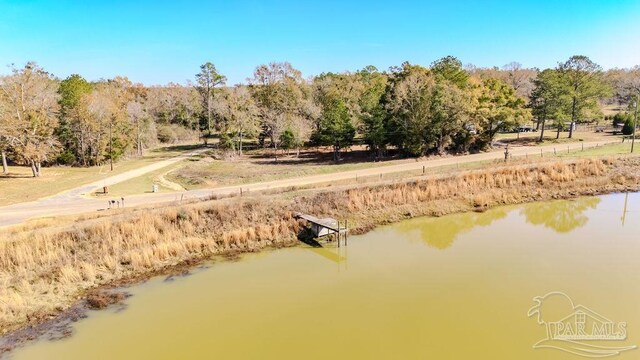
pixel 412 109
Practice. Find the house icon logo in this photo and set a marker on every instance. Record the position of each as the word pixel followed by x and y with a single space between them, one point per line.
pixel 576 329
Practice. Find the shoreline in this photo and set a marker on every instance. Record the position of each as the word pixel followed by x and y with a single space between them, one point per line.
pixel 366 207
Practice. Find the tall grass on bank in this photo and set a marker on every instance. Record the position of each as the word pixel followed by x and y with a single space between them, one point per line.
pixel 45 270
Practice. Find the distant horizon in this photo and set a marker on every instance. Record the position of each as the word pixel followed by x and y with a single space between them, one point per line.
pixel 305 76
pixel 155 44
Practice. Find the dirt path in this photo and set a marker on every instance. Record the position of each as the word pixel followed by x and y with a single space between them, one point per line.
pixel 163 181
pixel 72 202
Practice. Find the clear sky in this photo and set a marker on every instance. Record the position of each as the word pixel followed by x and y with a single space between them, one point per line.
pixel 155 42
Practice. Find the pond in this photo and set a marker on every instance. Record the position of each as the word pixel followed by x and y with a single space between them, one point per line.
pixel 456 287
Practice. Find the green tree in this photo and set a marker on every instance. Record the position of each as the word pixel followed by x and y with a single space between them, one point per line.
pixel 375 131
pixel 549 100
pixel 450 68
pixel 361 93
pixel 72 128
pixel 450 121
pixel 408 105
pixel 499 108
pixel 206 81
pixel 427 112
pixel 334 127
pixel 371 109
pixel 585 85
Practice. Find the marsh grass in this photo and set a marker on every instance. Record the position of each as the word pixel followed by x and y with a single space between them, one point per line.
pixel 46 267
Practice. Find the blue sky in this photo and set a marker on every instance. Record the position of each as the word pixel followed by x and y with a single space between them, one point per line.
pixel 155 42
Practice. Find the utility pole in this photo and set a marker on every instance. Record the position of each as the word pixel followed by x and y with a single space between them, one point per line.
pixel 635 123
pixel 111 143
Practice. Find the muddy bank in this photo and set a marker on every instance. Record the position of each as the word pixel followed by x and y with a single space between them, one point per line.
pixel 48 276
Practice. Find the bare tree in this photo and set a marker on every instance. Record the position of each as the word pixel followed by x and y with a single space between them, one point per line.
pixel 627 86
pixel 30 101
pixel 4 129
pixel 138 117
pixel 102 108
pixel 281 95
pixel 239 113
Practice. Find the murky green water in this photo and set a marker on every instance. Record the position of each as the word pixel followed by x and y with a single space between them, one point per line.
pixel 457 287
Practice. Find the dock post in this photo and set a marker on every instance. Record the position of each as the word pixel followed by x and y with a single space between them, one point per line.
pixel 346 231
pixel 338 233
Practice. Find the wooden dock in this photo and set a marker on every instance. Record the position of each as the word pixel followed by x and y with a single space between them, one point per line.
pixel 325 227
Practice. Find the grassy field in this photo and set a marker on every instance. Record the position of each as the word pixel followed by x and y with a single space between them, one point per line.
pixel 207 172
pixel 143 184
pixel 531 139
pixel 605 150
pixel 20 186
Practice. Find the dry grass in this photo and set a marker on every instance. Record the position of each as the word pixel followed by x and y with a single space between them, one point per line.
pixel 258 166
pixel 46 268
pixel 19 185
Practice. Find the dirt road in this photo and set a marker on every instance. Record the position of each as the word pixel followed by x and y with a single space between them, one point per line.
pixel 72 201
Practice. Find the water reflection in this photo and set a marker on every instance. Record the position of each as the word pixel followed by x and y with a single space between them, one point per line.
pixel 440 233
pixel 334 254
pixel 561 216
pixel 399 299
pixel 624 209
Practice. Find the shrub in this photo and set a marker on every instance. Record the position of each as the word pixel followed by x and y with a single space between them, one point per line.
pixel 172 133
pixel 627 129
pixel 226 142
pixel 166 134
pixel 620 119
pixel 287 140
pixel 66 158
